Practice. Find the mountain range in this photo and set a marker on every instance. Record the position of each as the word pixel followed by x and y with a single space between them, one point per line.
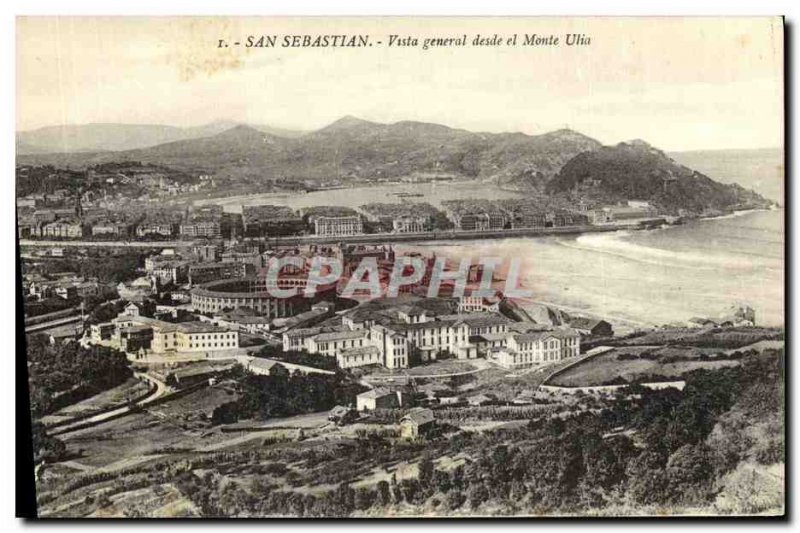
pixel 352 148
pixel 120 137
pixel 349 147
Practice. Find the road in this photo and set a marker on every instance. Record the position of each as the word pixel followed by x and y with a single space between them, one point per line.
pixel 104 244
pixel 52 324
pixel 306 422
pixel 161 390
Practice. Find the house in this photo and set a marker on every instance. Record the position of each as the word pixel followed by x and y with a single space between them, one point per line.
pixel 243 319
pixel 378 398
pixel 417 423
pixel 591 326
pixel 132 309
pixel 101 332
pixel 261 367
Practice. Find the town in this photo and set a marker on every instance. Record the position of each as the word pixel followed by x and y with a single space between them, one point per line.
pixel 106 208
pixel 287 267
pixel 204 329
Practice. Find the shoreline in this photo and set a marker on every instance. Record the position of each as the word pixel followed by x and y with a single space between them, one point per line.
pixel 410 238
pixel 367 238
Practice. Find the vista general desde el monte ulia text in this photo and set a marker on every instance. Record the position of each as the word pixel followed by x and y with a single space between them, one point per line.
pixel 394 40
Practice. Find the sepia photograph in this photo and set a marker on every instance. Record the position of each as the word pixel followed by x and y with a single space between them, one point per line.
pixel 401 267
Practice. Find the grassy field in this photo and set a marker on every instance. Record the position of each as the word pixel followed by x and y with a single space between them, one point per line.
pixel 638 364
pixel 115 397
pixel 444 367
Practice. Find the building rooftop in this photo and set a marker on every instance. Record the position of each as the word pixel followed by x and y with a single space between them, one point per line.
pixel 419 416
pixel 378 392
pixel 341 335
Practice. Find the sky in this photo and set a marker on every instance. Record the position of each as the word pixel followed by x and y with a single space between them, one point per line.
pixel 678 83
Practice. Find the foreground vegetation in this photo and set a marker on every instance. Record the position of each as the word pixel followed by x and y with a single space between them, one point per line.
pixel 64 374
pixel 282 394
pixel 715 447
pixel 693 451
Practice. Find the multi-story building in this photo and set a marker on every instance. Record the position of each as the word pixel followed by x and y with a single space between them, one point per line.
pixel 206 253
pixel 525 350
pixel 528 219
pixel 101 332
pixel 490 221
pixel 206 272
pixel 176 337
pixel 252 259
pixel 210 229
pixel 270 220
pixel 204 222
pixel 167 268
pixel 174 271
pixel 65 228
pixel 149 228
pixel 111 228
pixel 338 226
pixel 409 224
pixel 394 341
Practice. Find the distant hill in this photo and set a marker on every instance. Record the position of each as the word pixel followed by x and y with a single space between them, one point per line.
pixel 93 138
pixel 561 161
pixel 636 170
pixel 351 147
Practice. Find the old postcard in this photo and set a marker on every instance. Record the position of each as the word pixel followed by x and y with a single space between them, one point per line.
pixel 402 267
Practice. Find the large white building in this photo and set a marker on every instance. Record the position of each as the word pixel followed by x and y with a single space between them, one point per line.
pixel 404 334
pixel 338 226
pixel 525 350
pixel 168 337
pixel 409 224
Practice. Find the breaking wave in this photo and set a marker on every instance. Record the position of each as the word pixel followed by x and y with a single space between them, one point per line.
pixel 616 244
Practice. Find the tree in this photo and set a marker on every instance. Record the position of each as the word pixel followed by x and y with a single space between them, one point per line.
pixel 477 494
pixel 689 472
pixel 46 447
pixel 647 481
pixel 426 470
pixel 455 499
pixel 384 493
pixel 410 490
pixel 364 498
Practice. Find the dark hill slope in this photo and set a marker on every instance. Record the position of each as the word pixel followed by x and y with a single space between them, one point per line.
pixel 636 170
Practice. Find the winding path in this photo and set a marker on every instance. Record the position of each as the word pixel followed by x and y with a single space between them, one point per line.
pixel 161 389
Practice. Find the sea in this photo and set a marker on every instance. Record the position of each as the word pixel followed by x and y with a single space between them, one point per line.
pixel 666 275
pixel 644 278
